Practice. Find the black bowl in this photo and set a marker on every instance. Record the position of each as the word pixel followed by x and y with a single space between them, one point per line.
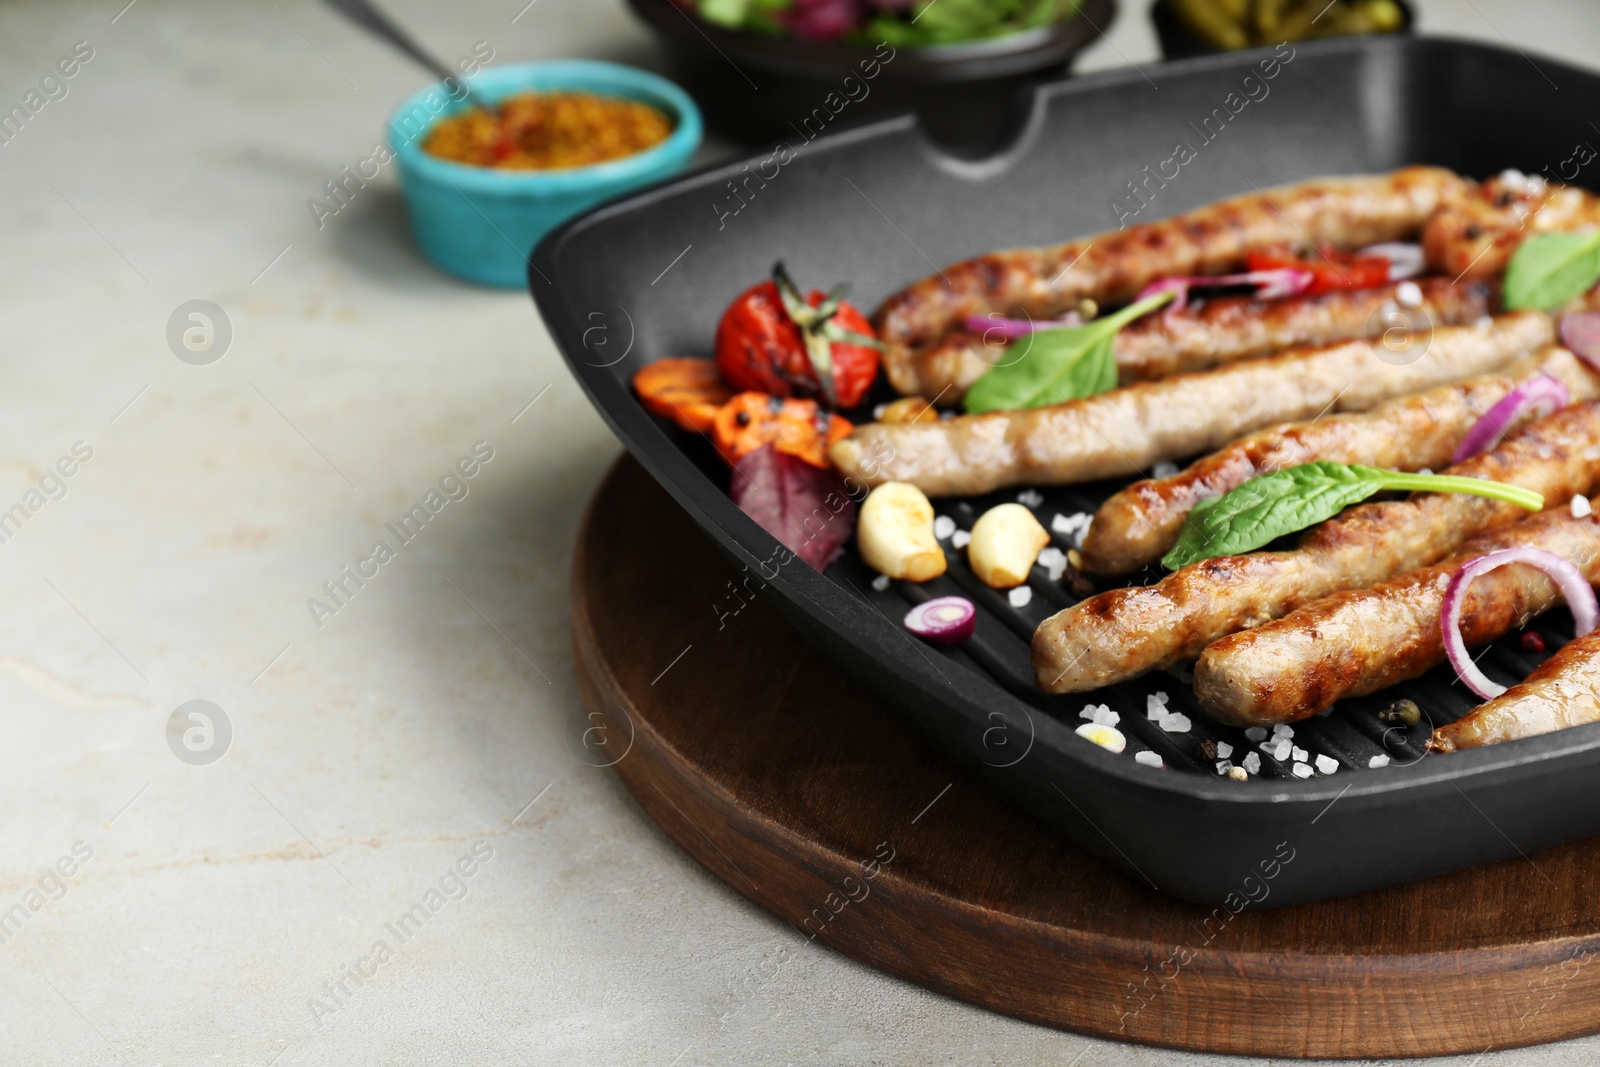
pixel 759 89
pixel 1180 42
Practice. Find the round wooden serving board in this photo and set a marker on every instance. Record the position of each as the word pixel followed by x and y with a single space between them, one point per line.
pixel 819 804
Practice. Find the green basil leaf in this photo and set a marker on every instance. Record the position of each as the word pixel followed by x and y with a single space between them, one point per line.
pixel 1549 269
pixel 1268 507
pixel 1055 366
pixel 1265 508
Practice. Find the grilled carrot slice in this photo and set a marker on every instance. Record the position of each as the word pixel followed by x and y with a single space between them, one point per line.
pixel 687 391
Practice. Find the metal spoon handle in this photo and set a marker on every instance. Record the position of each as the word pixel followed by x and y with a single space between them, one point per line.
pixel 375 22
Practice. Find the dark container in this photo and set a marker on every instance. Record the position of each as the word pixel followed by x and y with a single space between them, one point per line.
pixel 756 89
pixel 648 276
pixel 1180 42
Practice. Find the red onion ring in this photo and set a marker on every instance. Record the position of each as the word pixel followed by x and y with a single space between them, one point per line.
pixel 1012 329
pixel 1539 396
pixel 1580 332
pixel 1579 596
pixel 944 620
pixel 1405 258
pixel 1270 284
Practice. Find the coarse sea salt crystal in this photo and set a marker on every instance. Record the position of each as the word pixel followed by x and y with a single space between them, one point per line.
pixel 1106 717
pixel 1176 723
pixel 877 412
pixel 1148 759
pixel 1030 497
pixel 1155 706
pixel 1300 754
pixel 1256 733
pixel 1165 469
pixel 1408 294
pixel 960 538
pixel 1224 766
pixel 1378 761
pixel 1107 737
pixel 1020 596
pixel 1327 764
pixel 1278 750
pixel 1580 507
pixel 1283 730
pixel 1252 763
pixel 1224 749
pixel 943 527
pixel 1302 770
pixel 1054 561
pixel 881 582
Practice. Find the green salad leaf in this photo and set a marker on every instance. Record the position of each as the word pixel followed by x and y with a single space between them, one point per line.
pixel 1549 269
pixel 1054 366
pixel 1265 508
pixel 924 23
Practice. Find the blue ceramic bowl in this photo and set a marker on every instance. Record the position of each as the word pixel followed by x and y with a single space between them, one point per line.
pixel 480 223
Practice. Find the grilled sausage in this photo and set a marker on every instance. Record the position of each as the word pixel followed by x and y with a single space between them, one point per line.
pixel 1112 267
pixel 1475 232
pixel 1216 332
pixel 1123 432
pixel 1564 691
pixel 1136 526
pixel 1125 632
pixel 1358 642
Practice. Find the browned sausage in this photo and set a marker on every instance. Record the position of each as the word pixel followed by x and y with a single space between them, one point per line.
pixel 1358 642
pixel 1564 691
pixel 1218 331
pixel 1125 632
pixel 1134 528
pixel 1123 432
pixel 1474 234
pixel 1113 267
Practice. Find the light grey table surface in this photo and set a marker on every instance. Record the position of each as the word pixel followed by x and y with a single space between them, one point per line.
pixel 220 906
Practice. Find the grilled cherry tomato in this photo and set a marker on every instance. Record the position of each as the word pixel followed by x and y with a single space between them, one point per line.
pixel 770 340
pixel 1330 268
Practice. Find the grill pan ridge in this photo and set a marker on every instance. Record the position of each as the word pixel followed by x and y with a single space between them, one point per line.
pixel 879 204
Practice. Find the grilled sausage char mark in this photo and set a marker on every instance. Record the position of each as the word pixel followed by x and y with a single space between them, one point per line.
pixel 1125 632
pixel 1112 267
pixel 1360 641
pixel 1135 527
pixel 1476 230
pixel 1123 432
pixel 1564 691
pixel 1216 332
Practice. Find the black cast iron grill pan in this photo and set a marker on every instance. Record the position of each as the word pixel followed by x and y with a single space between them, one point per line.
pixel 880 205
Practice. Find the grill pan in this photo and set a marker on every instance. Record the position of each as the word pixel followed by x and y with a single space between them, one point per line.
pixel 882 205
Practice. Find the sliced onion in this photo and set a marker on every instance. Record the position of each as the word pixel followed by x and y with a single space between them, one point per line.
pixel 1538 396
pixel 944 620
pixel 1012 329
pixel 1579 596
pixel 1580 332
pixel 1405 259
pixel 1270 284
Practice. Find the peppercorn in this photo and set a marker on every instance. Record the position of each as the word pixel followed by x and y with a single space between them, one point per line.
pixel 1404 712
pixel 1532 642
